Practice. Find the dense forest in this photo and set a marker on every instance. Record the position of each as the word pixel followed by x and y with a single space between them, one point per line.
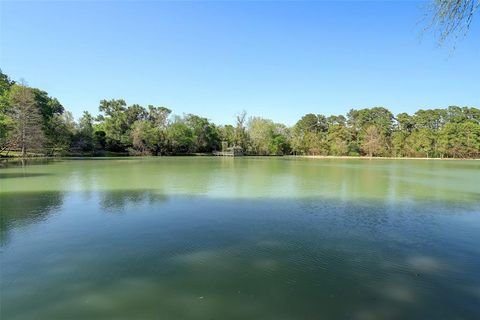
pixel 33 123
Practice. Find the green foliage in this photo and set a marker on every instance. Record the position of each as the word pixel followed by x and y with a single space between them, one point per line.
pixel 460 140
pixel 62 134
pixel 26 132
pixel 115 124
pixel 6 122
pixel 180 138
pixel 158 116
pixel 373 142
pixel 399 144
pixel 338 137
pixel 360 120
pixel 100 140
pixel 312 123
pixel 51 110
pixel 31 119
pixel 84 136
pixel 6 127
pixel 267 137
pixel 206 134
pixel 241 136
pixel 145 138
pixel 47 105
pixel 227 135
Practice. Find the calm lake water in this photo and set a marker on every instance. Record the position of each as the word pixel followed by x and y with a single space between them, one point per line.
pixel 243 238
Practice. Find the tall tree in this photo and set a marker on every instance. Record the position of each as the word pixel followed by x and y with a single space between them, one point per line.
pixel 51 110
pixel 27 132
pixel 338 138
pixel 241 137
pixel 115 124
pixel 309 134
pixel 6 121
pixel 63 129
pixel 206 134
pixel 227 136
pixel 159 116
pixel 145 138
pixel 84 139
pixel 373 142
pixel 180 137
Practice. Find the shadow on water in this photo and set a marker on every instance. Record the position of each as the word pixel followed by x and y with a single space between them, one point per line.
pixel 18 209
pixel 24 208
pixel 12 163
pixel 119 200
pixel 176 257
pixel 6 175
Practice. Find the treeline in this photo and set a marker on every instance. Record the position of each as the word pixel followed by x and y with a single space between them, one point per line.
pixel 32 122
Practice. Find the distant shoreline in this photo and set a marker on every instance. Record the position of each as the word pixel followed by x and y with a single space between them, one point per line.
pixel 319 157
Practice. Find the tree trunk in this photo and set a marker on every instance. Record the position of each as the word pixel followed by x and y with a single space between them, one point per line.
pixel 24 148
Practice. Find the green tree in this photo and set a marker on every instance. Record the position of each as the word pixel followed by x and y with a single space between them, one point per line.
pixel 373 143
pixel 206 135
pixel 145 138
pixel 338 138
pixel 399 140
pixel 115 124
pixel 227 135
pixel 99 139
pixel 84 135
pixel 6 122
pixel 158 116
pixel 312 123
pixel 460 140
pixel 50 109
pixel 62 132
pixel 241 136
pixel 359 122
pixel 403 127
pixel 180 137
pixel 309 135
pixel 423 143
pixel 260 132
pixel 27 121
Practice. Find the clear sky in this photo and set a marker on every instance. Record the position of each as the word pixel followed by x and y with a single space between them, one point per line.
pixel 277 60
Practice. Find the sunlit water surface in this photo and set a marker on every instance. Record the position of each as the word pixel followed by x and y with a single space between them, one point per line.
pixel 243 238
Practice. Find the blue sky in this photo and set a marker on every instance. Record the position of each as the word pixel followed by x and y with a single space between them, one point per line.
pixel 277 60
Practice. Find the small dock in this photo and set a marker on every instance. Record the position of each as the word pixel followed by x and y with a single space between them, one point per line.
pixel 229 152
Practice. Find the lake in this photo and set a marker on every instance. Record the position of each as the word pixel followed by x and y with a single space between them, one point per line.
pixel 240 238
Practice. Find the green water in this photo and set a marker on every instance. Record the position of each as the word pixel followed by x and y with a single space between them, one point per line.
pixel 243 238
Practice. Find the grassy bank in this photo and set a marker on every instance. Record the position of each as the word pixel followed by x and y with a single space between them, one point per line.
pixel 375 158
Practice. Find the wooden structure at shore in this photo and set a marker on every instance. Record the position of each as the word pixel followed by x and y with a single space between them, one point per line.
pixel 229 152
